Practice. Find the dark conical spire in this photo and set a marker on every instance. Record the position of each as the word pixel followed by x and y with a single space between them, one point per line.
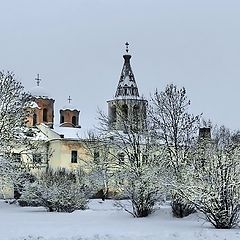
pixel 127 85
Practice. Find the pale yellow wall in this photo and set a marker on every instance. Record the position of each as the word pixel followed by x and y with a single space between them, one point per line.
pixel 61 150
pixel 6 189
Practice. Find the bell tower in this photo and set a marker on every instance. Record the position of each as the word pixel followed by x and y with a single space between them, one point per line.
pixel 69 115
pixel 42 107
pixel 127 107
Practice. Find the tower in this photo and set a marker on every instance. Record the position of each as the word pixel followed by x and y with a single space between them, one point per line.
pixel 42 107
pixel 69 115
pixel 127 107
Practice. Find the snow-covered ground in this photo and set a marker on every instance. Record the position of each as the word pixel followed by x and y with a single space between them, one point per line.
pixel 103 221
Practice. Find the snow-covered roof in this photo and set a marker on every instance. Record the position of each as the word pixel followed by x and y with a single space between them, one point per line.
pixel 35 134
pixel 69 106
pixel 129 97
pixel 71 132
pixel 58 132
pixel 33 104
pixel 67 132
pixel 39 92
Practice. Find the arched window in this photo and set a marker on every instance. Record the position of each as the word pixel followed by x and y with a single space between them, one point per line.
pixel 74 120
pixel 62 119
pixel 136 112
pixel 113 114
pixel 96 156
pixel 132 89
pixel 125 112
pixel 45 113
pixel 125 90
pixel 34 119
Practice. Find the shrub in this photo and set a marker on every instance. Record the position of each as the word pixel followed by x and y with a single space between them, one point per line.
pixel 59 191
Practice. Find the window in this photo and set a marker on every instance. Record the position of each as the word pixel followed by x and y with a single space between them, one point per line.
pixel 125 91
pixel 62 119
pixel 125 112
pixel 120 158
pixel 113 114
pixel 34 119
pixel 45 112
pixel 144 158
pixel 96 156
pixel 136 111
pixel 74 120
pixel 74 157
pixel 37 158
pixel 16 157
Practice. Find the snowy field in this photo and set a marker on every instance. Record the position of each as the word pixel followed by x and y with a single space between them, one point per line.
pixel 103 221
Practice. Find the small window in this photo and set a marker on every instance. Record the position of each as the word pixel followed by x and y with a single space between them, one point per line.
pixel 16 157
pixel 45 113
pixel 37 158
pixel 113 114
pixel 74 157
pixel 34 119
pixel 145 158
pixel 125 112
pixel 136 112
pixel 96 156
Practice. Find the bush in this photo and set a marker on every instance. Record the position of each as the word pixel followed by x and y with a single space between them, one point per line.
pixel 58 191
pixel 214 180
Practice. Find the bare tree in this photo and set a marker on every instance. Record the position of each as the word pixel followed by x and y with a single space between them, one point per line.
pixel 214 180
pixel 136 169
pixel 176 130
pixel 13 102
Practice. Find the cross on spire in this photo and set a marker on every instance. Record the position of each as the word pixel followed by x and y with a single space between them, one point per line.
pixel 69 99
pixel 127 44
pixel 38 79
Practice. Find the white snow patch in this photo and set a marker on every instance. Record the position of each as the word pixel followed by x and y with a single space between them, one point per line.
pixel 103 221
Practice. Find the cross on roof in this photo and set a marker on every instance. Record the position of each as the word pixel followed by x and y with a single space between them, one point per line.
pixel 127 44
pixel 38 79
pixel 69 99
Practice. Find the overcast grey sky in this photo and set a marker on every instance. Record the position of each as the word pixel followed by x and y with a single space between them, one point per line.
pixel 77 45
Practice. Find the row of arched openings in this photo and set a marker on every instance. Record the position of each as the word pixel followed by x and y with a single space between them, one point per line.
pixel 45 118
pixel 125 112
pixel 74 120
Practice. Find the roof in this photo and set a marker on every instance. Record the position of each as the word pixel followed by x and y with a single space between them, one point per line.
pixel 33 104
pixel 127 85
pixel 39 92
pixel 67 132
pixel 69 106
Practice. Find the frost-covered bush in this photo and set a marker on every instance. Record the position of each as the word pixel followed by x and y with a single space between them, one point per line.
pixel 180 206
pixel 214 180
pixel 141 186
pixel 59 191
